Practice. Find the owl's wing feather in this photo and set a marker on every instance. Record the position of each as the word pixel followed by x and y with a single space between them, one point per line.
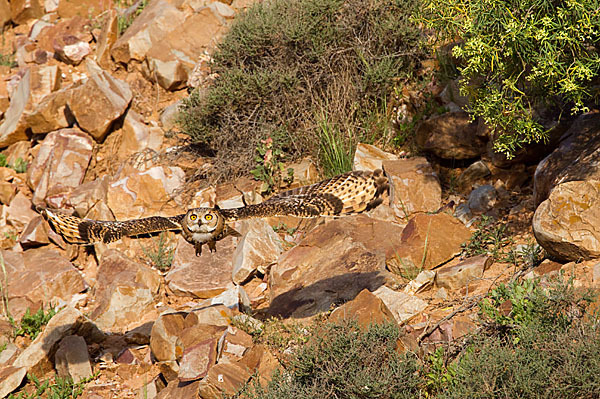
pixel 348 193
pixel 87 231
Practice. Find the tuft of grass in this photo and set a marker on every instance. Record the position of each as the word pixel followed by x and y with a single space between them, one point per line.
pixel 489 238
pixel 160 253
pixel 337 149
pixel 60 388
pixel 282 62
pixel 32 324
pixel 125 20
pixel 20 165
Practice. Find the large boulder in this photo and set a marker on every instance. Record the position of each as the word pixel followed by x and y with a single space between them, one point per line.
pixel 566 224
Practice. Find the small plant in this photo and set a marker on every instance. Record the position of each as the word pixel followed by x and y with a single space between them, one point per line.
pixel 269 167
pixel 160 253
pixel 61 388
pixel 283 227
pixel 337 149
pixel 439 375
pixel 125 21
pixel 31 325
pixel 20 166
pixel 489 238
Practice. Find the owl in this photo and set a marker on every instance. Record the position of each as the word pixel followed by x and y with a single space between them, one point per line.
pixel 345 194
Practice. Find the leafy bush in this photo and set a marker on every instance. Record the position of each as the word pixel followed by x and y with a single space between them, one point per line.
pixel 286 66
pixel 521 57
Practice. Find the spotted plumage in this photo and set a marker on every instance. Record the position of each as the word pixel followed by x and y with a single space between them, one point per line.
pixel 348 193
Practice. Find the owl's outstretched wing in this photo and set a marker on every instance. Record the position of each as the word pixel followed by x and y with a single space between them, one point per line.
pixel 348 193
pixel 76 230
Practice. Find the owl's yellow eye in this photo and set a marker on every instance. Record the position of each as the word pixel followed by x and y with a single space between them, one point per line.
pixel 208 217
pixel 193 217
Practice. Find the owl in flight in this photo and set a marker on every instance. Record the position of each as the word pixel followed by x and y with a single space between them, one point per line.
pixel 348 193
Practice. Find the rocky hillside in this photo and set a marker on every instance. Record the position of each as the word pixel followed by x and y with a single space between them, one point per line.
pixel 88 97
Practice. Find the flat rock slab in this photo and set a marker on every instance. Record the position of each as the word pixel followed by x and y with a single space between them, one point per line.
pixel 331 265
pixel 201 276
pixel 567 224
pixel 10 379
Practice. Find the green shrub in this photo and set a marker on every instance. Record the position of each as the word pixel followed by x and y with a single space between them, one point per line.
pixel 32 324
pixel 284 63
pixel 521 58
pixel 343 361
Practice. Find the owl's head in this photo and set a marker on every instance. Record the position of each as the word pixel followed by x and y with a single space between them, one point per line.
pixel 203 220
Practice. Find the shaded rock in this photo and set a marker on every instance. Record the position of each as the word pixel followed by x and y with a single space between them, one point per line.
pixel 576 158
pixel 19 213
pixel 137 194
pixel 428 241
pixel 165 335
pixel 10 379
pixel 197 360
pixel 99 101
pixel 474 173
pixel 368 157
pixel 414 186
pixel 59 166
pixel 458 276
pixel 137 136
pixel 51 113
pixel 201 276
pixel 482 199
pixel 36 276
pixel 22 11
pixel 72 359
pixel 35 233
pixel 450 136
pixel 125 290
pixel 566 224
pixel 333 263
pixel 402 306
pixel 259 247
pixel 68 321
pixel 366 309
pixel 224 379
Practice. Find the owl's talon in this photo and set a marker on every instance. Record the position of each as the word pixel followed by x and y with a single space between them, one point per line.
pixel 212 246
pixel 198 248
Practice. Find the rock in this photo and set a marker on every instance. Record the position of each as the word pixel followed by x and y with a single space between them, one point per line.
pixel 333 263
pixel 197 360
pixel 125 291
pixel 224 379
pixel 305 172
pixel 72 359
pixel 259 247
pixel 10 379
pixel 108 36
pixel 402 306
pixel 427 242
pixel 7 192
pixel 261 362
pixel 474 173
pixel 136 194
pixel 19 213
pixel 83 8
pixel 165 334
pixel 10 350
pixel 59 166
pixel 51 113
pixel 85 196
pixel 420 283
pixel 414 186
pixel 482 199
pixel 70 49
pixel 5 13
pixel 201 276
pixel 137 136
pixel 368 157
pixel 574 159
pixel 565 224
pixel 99 101
pixel 458 276
pixel 36 276
pixel 450 136
pixel 233 344
pixel 35 234
pixel 216 315
pixel 168 116
pixel 180 390
pixel 68 321
pixel 366 309
pixel 23 11
pixel 234 298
